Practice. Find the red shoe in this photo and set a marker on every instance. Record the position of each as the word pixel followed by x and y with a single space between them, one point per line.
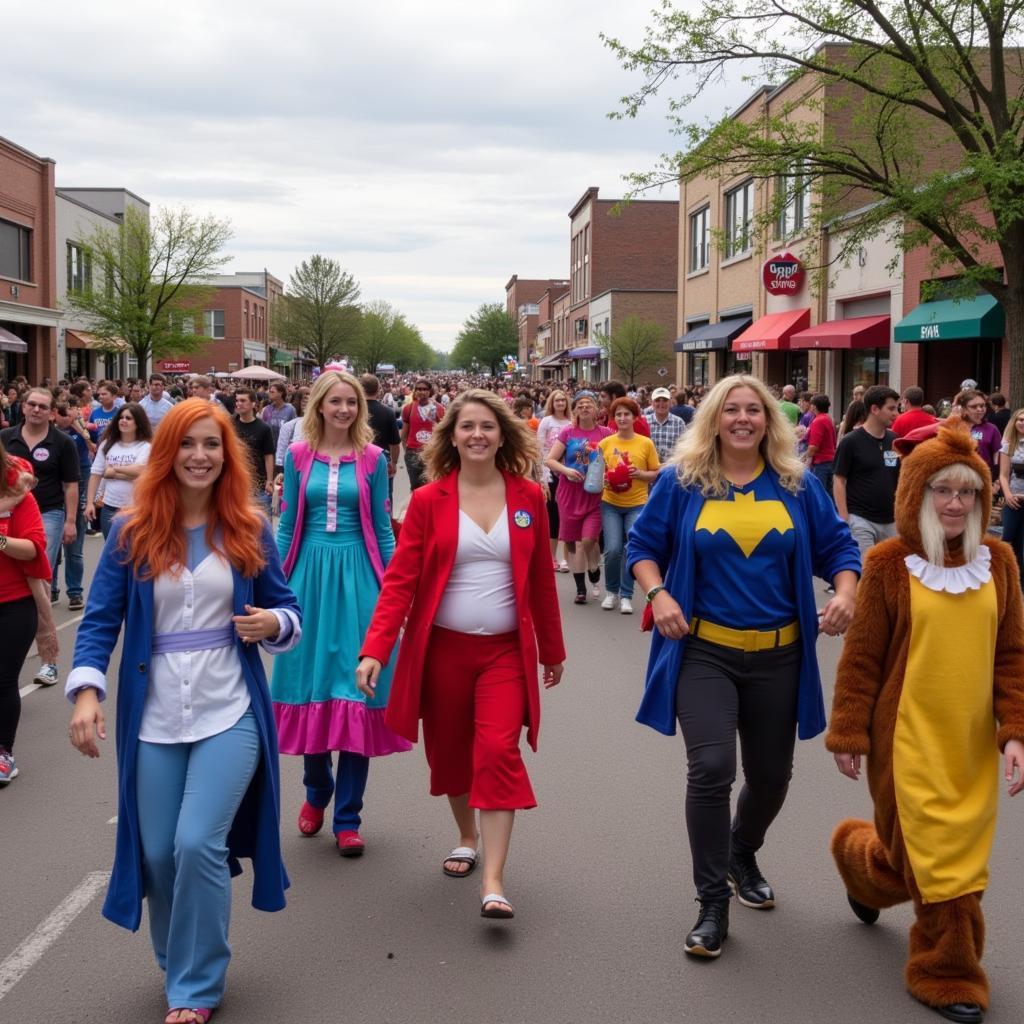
pixel 349 844
pixel 311 819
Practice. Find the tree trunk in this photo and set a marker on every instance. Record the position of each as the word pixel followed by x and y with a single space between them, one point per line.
pixel 1013 306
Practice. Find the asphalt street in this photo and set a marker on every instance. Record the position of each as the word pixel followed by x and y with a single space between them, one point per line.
pixel 599 875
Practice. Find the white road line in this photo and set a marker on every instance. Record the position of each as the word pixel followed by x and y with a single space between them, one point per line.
pixel 14 968
pixel 26 690
pixel 113 820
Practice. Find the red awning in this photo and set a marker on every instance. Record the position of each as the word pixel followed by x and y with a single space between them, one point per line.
pixel 857 332
pixel 772 332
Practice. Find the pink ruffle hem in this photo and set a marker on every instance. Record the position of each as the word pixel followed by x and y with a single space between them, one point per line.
pixel 335 725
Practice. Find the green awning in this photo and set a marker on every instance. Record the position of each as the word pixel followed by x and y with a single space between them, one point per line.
pixel 953 320
pixel 281 357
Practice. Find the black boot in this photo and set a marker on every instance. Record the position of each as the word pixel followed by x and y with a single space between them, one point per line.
pixel 748 883
pixel 867 914
pixel 711 929
pixel 963 1013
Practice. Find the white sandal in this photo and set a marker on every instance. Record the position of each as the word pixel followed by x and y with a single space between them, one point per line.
pixel 503 911
pixel 461 855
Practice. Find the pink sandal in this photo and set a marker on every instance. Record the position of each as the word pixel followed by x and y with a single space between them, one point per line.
pixel 199 1016
pixel 311 819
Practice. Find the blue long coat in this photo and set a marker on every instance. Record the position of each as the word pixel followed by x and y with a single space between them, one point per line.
pixel 663 533
pixel 117 596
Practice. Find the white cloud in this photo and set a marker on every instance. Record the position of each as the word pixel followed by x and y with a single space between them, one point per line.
pixel 434 149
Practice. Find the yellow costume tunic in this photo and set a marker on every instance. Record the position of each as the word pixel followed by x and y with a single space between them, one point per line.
pixel 944 748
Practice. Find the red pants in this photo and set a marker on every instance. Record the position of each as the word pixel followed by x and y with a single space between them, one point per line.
pixel 473 709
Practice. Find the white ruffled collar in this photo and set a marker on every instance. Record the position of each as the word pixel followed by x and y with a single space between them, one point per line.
pixel 954 579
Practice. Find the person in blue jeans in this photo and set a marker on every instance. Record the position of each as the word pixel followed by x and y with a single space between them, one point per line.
pixel 1011 482
pixel 68 419
pixel 631 463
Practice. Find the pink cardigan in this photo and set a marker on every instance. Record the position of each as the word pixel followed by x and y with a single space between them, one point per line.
pixel 366 462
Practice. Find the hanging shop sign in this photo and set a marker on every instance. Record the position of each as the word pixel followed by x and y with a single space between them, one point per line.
pixel 783 275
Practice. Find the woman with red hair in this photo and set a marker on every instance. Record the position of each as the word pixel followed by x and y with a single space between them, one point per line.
pixel 192 572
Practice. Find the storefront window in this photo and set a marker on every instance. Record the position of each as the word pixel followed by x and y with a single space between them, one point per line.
pixel 864 366
pixel 737 362
pixel 699 368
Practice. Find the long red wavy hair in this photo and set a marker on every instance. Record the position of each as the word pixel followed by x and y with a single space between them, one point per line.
pixel 152 535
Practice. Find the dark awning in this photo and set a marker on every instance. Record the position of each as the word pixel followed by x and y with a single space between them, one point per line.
pixel 953 320
pixel 857 332
pixel 11 342
pixel 555 359
pixel 587 352
pixel 711 336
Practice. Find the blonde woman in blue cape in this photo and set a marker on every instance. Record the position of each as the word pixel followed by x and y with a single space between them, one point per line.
pixel 335 541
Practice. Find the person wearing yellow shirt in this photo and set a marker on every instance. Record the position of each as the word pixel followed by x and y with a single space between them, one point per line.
pixel 631 463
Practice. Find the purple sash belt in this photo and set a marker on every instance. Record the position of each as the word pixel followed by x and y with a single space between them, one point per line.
pixel 193 640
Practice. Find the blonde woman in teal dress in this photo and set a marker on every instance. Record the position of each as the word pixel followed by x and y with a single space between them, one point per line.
pixel 335 541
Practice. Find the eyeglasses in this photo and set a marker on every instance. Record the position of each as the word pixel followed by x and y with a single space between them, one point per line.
pixel 947 494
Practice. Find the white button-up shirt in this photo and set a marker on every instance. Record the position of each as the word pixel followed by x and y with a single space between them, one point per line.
pixel 195 694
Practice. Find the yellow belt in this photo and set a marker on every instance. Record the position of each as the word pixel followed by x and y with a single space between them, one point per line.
pixel 745 639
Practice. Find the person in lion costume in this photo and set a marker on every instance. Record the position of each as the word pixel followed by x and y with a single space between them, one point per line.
pixel 930 689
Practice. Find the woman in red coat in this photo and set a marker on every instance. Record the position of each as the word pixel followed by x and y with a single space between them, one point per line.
pixel 472 581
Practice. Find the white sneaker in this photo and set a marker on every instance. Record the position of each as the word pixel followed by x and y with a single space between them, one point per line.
pixel 609 602
pixel 563 566
pixel 626 606
pixel 47 675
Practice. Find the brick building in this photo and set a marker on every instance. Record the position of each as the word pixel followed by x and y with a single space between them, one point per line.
pixel 29 316
pixel 236 318
pixel 949 338
pixel 623 262
pixel 522 302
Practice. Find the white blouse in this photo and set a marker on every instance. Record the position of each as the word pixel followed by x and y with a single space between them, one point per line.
pixel 480 596
pixel 196 694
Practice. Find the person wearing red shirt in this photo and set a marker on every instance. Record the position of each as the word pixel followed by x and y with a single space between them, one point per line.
pixel 821 441
pixel 419 417
pixel 609 393
pixel 913 416
pixel 472 581
pixel 22 557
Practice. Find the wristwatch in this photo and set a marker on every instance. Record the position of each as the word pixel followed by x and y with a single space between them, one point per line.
pixel 3 541
pixel 654 592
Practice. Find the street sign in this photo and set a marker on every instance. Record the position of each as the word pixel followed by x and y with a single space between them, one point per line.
pixel 662 372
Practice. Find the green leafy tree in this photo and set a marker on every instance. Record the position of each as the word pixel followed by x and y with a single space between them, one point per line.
pixel 148 282
pixel 928 103
pixel 486 338
pixel 635 345
pixel 319 315
pixel 379 330
pixel 441 360
pixel 410 351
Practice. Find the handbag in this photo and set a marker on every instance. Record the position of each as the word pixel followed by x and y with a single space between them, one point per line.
pixel 593 482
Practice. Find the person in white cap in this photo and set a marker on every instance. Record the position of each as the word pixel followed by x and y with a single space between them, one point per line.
pixel 666 428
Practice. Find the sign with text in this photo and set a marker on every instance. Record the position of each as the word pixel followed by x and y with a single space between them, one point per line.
pixel 176 365
pixel 783 275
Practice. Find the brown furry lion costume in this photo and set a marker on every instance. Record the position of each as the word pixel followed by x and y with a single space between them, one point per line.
pixel 932 659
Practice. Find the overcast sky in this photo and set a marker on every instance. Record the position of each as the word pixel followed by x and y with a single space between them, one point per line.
pixel 433 148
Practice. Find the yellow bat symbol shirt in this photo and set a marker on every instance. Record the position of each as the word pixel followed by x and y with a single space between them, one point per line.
pixel 745 519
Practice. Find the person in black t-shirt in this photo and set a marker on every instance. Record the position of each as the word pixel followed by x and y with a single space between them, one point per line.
pixel 259 439
pixel 384 425
pixel 867 470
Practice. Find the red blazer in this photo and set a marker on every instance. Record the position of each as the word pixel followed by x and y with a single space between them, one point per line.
pixel 418 574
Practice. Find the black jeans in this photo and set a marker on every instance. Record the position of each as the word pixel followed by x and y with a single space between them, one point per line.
pixel 722 691
pixel 415 468
pixel 18 620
